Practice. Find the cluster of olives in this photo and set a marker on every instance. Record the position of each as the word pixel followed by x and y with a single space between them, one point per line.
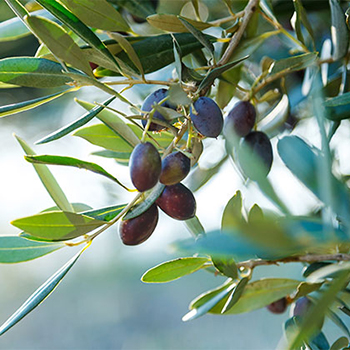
pixel 253 148
pixel 147 169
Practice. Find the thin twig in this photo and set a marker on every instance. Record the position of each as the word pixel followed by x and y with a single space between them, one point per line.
pixel 248 13
pixel 308 258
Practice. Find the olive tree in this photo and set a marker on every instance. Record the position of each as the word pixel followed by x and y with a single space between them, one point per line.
pixel 249 76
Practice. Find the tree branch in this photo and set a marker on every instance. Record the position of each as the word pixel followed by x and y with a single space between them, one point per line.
pixel 248 13
pixel 308 258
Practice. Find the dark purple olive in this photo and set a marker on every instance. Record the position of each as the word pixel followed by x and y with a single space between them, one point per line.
pixel 278 307
pixel 255 155
pixel 178 202
pixel 240 121
pixel 302 307
pixel 145 166
pixel 155 97
pixel 137 230
pixel 207 117
pixel 175 167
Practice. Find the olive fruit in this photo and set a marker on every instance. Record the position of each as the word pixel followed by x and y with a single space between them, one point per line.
pixel 155 97
pixel 175 167
pixel 255 155
pixel 240 120
pixel 207 117
pixel 145 166
pixel 302 307
pixel 278 306
pixel 137 230
pixel 178 202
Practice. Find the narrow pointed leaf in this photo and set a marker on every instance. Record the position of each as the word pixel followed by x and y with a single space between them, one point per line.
pixel 33 72
pixel 27 105
pixel 77 26
pixel 129 50
pixel 17 8
pixel 256 295
pixel 339 30
pixel 39 295
pixel 216 72
pixel 340 100
pixel 339 322
pixel 173 269
pixel 48 180
pixel 235 294
pixel 73 162
pixel 58 42
pixel 139 8
pixel 14 249
pixel 206 307
pixel 150 197
pixel 112 120
pixel 309 322
pixel 198 35
pixel 340 343
pixel 95 110
pixel 57 225
pixel 172 23
pixel 105 214
pixel 103 16
pixel 12 29
pixel 232 215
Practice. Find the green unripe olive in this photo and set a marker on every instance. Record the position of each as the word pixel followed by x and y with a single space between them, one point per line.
pixel 240 121
pixel 255 155
pixel 175 167
pixel 178 202
pixel 145 166
pixel 137 230
pixel 278 306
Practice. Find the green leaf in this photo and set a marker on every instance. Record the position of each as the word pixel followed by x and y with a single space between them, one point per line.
pixel 39 295
pixel 17 8
pixel 266 6
pixel 139 8
pixel 95 110
pixel 102 15
pixel 226 266
pixel 340 343
pixel 216 72
pixel 235 294
pixel 156 52
pixel 73 162
pixel 305 288
pixel 208 305
pixel 301 18
pixel 198 35
pixel 293 63
pixel 58 42
pixel 57 225
pixel 32 72
pixel 78 27
pixel 101 135
pixel 303 162
pixel 129 50
pixel 309 323
pixel 105 214
pixel 120 157
pixel 172 270
pixel 232 215
pixel 340 100
pixel 338 322
pixel 48 180
pixel 339 30
pixel 17 249
pixel 27 105
pixel 115 123
pixel 150 197
pixel 256 295
pixel 172 23
pixel 178 96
